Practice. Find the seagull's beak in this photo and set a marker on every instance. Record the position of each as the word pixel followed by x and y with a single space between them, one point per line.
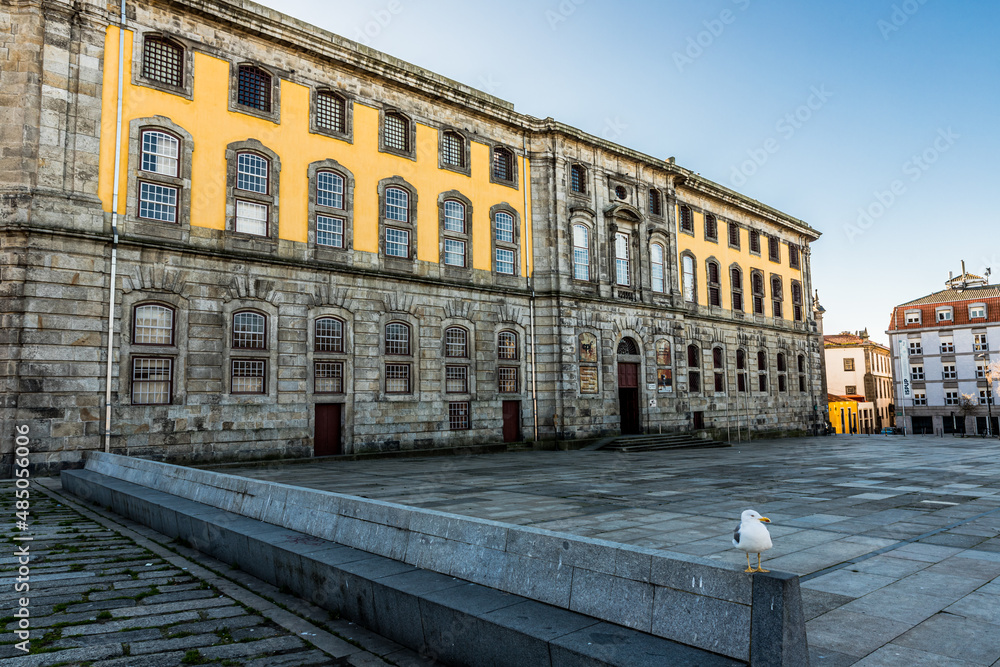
pixel 764 519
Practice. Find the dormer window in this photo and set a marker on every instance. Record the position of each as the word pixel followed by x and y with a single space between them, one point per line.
pixel 913 317
pixel 977 311
pixel 944 314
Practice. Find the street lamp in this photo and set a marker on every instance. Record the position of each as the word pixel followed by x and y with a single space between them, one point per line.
pixel 989 392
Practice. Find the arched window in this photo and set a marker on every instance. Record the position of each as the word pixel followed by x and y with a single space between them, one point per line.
pixel 507 346
pixel 397 209
pixel 456 342
pixel 736 285
pixel 503 225
pixel 757 287
pixel 656 254
pixel 329 189
pixel 254 89
pixel 655 207
pixel 578 178
pixel 454 222
pixel 160 153
pixel 163 61
pixel 454 216
pixel 153 324
pixel 249 330
pixel 397 339
pixel 396 132
pixel 628 346
pixel 741 370
pixel 453 150
pixel 253 176
pixel 714 286
pixel 694 369
pixel 776 296
pixel 508 376
pixel 762 370
pixel 503 164
pixel 581 252
pixel 687 219
pixel 718 366
pixel 690 285
pixel 331 112
pixel 329 335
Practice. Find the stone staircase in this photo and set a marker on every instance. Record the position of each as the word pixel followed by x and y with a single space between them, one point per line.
pixel 660 442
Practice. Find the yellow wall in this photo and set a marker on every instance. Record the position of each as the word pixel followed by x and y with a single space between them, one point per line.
pixel 702 249
pixel 850 409
pixel 213 127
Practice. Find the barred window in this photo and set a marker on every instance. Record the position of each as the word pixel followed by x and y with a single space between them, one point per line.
pixel 160 153
pixel 254 88
pixel 397 242
pixel 152 381
pixel 451 150
pixel 507 346
pixel 754 241
pixel 503 164
pixel 456 342
pixel 458 416
pixel 505 261
pixel 719 369
pixel 396 132
pixel 397 205
pixel 157 202
pixel 328 377
pixel 757 288
pixel 163 61
pixel 248 376
pixel 454 252
pixel 773 249
pixel 656 269
pixel 249 331
pixel 329 335
pixel 397 378
pixel 153 324
pixel 329 231
pixel 454 216
pixel 251 173
pixel 741 367
pixel 251 218
pixel 734 235
pixel 507 380
pixel 581 252
pixel 736 283
pixel 694 369
pixel 329 189
pixel 687 219
pixel 797 301
pixel 331 112
pixel 456 379
pixel 714 287
pixel 397 338
pixel 505 227
pixel 776 296
pixel 711 227
pixel 578 176
pixel 793 256
pixel 655 207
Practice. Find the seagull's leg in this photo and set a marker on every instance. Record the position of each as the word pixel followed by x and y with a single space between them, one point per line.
pixel 749 567
pixel 759 568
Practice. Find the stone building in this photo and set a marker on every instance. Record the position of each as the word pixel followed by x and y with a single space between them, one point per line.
pixel 861 369
pixel 945 376
pixel 291 244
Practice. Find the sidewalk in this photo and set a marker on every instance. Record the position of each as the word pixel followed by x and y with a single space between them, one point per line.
pixel 106 592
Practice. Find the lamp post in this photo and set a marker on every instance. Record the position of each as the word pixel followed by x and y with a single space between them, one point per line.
pixel 988 374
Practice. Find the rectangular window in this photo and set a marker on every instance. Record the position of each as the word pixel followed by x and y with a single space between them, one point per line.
pixel 397 242
pixel 329 190
pixel 754 241
pixel 329 231
pixel 621 259
pixel 944 315
pixel 793 256
pixel 456 379
pixel 848 364
pixel 163 61
pixel 329 377
pixel 152 380
pixel 251 174
pixel 505 261
pixel 711 227
pixel 983 399
pixel 913 317
pixel 397 378
pixel 977 312
pixel 458 416
pixel 159 153
pixel 773 249
pixel 248 376
pixel 656 268
pixel 980 369
pixel 395 133
pixel 251 218
pixel 157 202
pixel 916 347
pixel 330 112
pixel 916 372
pixel 919 398
pixel 505 228
pixel 734 235
pixel 507 377
pixel 948 372
pixel 851 389
pixel 720 383
pixel 951 398
pixel 947 345
pixel 980 343
pixel 454 252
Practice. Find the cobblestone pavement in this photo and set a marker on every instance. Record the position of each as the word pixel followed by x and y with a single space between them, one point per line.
pixel 897 538
pixel 107 592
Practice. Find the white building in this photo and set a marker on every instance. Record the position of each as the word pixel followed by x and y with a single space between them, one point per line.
pixel 861 369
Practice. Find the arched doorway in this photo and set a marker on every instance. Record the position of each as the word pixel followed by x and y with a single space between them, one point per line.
pixel 628 386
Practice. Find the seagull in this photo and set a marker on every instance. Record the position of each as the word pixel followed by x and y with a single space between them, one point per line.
pixel 752 537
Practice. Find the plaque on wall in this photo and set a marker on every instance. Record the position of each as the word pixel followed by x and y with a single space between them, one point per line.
pixel 588 348
pixel 664 380
pixel 588 379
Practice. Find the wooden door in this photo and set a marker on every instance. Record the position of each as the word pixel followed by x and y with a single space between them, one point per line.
pixel 327 439
pixel 512 421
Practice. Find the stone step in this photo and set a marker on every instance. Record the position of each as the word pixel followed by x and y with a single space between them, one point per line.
pixel 661 442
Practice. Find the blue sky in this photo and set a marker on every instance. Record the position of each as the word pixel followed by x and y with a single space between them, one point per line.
pixel 875 121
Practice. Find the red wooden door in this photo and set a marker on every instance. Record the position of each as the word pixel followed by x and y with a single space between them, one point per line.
pixel 327 439
pixel 512 421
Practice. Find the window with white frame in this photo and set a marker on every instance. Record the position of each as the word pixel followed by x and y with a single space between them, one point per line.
pixel 581 252
pixel 397 209
pixel 656 254
pixel 152 381
pixel 977 312
pixel 980 342
pixel 456 232
pixel 397 344
pixel 329 335
pixel 690 284
pixel 951 398
pixel 916 372
pixel 947 345
pixel 984 397
pixel 980 369
pixel 329 200
pixel 622 273
pixel 159 163
pixel 328 377
pixel 948 372
pixel 916 347
pixel 913 317
pixel 944 314
pixel 458 416
pixel 504 243
pixel 248 376
pixel 920 398
pixel 153 324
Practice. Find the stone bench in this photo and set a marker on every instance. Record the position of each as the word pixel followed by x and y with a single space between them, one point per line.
pixel 688 600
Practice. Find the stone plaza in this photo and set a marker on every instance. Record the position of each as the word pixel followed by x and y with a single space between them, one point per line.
pixel 896 539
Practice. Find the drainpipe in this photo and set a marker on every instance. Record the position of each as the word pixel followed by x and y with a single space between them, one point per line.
pixel 114 231
pixel 530 248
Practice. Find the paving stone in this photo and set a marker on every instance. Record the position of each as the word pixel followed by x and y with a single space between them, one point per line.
pixel 894 655
pixel 852 633
pixel 955 637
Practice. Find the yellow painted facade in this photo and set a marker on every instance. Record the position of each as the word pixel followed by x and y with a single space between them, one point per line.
pixel 702 249
pixel 842 415
pixel 213 126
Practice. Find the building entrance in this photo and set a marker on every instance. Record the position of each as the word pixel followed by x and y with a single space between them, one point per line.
pixel 327 439
pixel 628 398
pixel 512 421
